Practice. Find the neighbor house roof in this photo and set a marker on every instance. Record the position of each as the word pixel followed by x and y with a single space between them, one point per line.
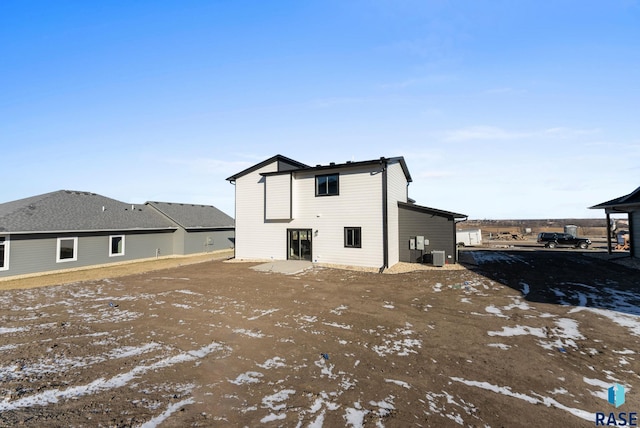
pixel 193 216
pixel 622 203
pixel 284 164
pixel 75 211
pixel 350 164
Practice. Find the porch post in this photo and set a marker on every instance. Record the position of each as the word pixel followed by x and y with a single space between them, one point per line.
pixel 608 232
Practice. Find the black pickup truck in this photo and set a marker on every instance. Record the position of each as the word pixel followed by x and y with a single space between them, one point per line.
pixel 553 240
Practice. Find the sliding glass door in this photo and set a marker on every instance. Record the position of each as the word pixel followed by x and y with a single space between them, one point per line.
pixel 299 244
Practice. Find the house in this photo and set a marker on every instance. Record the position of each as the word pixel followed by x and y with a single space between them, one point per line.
pixel 629 204
pixel 200 228
pixel 353 213
pixel 70 229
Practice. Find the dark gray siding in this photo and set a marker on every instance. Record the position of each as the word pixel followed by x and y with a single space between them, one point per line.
pixel 37 253
pixel 207 241
pixel 438 229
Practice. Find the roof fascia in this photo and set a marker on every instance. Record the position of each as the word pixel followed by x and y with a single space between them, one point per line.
pixel 618 202
pixel 50 232
pixel 432 210
pixel 276 158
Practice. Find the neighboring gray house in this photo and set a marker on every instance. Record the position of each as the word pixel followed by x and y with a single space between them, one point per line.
pixel 201 228
pixel 71 229
pixel 352 213
pixel 629 204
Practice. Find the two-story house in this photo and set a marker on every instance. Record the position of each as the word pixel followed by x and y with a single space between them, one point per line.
pixel 353 213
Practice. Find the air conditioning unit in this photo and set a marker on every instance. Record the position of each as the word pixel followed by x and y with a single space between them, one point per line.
pixel 438 258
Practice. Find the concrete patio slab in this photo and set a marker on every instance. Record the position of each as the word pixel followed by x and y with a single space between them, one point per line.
pixel 287 267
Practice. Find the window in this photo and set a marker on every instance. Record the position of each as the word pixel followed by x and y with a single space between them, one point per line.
pixel 116 245
pixel 352 237
pixel 4 253
pixel 327 185
pixel 67 250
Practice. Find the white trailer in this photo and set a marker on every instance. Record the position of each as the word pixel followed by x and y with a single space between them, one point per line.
pixel 469 237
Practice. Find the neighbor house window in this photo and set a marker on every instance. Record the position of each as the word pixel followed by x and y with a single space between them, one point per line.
pixel 327 185
pixel 352 237
pixel 67 250
pixel 116 245
pixel 4 253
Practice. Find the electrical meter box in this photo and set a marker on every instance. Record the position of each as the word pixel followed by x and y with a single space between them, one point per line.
pixel 412 243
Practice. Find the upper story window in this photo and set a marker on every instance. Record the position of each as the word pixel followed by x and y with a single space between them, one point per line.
pixel 327 185
pixel 4 253
pixel 67 250
pixel 116 245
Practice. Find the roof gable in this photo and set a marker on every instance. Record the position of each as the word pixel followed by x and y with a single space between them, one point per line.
pixel 193 216
pixel 284 164
pixel 73 211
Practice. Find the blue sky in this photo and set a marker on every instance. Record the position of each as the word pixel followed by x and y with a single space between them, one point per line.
pixel 502 109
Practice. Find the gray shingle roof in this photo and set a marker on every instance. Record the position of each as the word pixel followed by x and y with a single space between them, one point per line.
pixel 193 216
pixel 622 202
pixel 68 210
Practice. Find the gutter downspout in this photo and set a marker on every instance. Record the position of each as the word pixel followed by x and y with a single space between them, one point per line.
pixel 235 216
pixel 385 218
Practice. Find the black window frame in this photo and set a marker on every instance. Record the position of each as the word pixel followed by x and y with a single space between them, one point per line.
pixel 327 191
pixel 353 234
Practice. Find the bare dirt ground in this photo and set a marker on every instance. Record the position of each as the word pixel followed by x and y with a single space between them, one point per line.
pixel 520 338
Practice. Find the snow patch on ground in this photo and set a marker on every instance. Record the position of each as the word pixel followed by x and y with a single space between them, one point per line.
pixel 631 322
pixel 273 363
pixel 248 377
pixel 52 396
pixel 518 330
pixel 262 313
pixel 339 310
pixel 250 333
pixel 399 383
pixel 547 401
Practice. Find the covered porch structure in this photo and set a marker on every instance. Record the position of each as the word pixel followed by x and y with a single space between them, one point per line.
pixel 630 205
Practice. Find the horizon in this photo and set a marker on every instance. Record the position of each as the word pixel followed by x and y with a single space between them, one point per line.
pixel 504 111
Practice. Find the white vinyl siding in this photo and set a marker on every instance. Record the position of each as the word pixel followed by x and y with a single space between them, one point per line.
pixel 256 238
pixel 278 197
pixel 358 204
